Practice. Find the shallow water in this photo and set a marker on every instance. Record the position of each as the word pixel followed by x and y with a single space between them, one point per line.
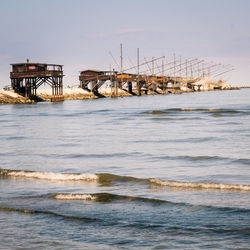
pixel 150 172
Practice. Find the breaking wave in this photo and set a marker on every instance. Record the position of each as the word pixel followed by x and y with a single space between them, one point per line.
pixel 84 197
pixel 108 179
pixel 48 175
pixel 201 185
pixel 104 197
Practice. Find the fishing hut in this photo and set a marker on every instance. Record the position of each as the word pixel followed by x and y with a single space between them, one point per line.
pixel 27 77
pixel 92 80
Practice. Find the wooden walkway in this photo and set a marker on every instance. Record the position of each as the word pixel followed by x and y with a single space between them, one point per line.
pixel 92 80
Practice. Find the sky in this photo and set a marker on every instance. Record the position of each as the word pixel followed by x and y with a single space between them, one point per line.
pixel 80 34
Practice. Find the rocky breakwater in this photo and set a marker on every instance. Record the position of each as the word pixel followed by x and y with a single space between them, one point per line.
pixel 208 84
pixel 7 96
pixel 68 94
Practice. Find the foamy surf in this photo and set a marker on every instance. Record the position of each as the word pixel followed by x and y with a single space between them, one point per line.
pixel 84 197
pixel 49 175
pixel 105 197
pixel 201 185
pixel 110 178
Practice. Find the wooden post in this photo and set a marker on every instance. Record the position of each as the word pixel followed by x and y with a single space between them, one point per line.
pixel 186 70
pixel 116 88
pixel 138 73
pixel 121 59
pixel 130 88
pixel 174 71
pixel 120 84
pixel 113 85
pixel 163 80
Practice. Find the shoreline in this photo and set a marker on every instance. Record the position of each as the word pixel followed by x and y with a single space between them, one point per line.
pixel 10 97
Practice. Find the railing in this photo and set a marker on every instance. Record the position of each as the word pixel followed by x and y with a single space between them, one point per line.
pixel 36 74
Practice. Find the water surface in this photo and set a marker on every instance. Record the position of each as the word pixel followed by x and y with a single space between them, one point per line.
pixel 156 172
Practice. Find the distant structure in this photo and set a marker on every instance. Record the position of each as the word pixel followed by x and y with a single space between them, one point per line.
pixel 27 77
pixel 149 76
pixel 92 80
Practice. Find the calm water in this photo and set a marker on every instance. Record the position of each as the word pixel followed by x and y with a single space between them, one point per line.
pixel 150 172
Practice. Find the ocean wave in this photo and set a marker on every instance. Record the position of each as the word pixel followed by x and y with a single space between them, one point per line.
pixel 48 175
pixel 243 161
pixel 161 222
pixel 163 118
pixel 175 110
pixel 105 197
pixel 84 197
pixel 192 158
pixel 201 158
pixel 201 185
pixel 109 178
pixel 31 211
pixel 179 140
pixel 106 179
pixel 212 111
pixel 113 198
pixel 84 156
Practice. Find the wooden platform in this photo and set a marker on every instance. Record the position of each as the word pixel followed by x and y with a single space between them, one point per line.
pixel 27 77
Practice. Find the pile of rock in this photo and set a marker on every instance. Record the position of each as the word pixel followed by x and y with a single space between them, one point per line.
pixel 7 96
pixel 207 84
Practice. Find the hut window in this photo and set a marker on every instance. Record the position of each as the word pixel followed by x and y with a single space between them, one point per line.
pixel 32 67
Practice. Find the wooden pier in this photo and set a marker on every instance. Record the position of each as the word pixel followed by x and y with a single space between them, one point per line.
pixel 151 80
pixel 134 84
pixel 27 77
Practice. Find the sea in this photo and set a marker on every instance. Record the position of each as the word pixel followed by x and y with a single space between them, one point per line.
pixel 143 172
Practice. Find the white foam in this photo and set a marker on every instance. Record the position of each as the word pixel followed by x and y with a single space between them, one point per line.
pixel 74 197
pixel 53 176
pixel 202 185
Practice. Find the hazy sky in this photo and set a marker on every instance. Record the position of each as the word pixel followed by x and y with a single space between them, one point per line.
pixel 80 34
